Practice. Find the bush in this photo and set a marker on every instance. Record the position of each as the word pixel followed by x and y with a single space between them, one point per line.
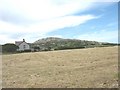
pixel 27 50
pixel 9 48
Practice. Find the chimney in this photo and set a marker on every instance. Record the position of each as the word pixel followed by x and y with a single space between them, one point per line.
pixel 23 40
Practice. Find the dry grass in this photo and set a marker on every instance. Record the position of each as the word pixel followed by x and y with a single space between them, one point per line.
pixel 80 68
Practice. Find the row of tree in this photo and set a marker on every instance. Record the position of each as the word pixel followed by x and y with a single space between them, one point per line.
pixel 9 48
pixel 56 45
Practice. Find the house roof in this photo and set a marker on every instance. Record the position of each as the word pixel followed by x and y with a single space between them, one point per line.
pixel 19 42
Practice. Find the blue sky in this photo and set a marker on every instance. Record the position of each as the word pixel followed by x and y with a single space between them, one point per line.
pixel 78 19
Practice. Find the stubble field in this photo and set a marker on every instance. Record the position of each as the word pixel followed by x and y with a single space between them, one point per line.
pixel 78 68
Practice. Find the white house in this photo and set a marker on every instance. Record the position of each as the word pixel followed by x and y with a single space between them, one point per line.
pixel 22 45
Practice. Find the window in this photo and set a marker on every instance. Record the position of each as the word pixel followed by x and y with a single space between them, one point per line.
pixel 24 46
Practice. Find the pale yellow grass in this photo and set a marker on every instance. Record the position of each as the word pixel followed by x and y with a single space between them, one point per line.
pixel 80 68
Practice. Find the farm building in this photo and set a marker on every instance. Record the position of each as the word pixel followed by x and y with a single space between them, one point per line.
pixel 23 46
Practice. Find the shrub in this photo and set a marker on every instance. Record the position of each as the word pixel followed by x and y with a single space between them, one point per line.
pixel 9 48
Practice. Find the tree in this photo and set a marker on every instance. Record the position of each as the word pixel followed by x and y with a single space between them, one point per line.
pixel 9 48
pixel 36 48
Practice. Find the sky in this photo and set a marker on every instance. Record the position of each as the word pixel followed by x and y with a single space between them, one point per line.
pixel 75 19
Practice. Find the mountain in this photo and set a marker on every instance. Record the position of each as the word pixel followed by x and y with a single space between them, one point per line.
pixel 48 39
pixel 55 43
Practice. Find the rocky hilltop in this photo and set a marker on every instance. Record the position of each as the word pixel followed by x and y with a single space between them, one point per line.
pixel 55 43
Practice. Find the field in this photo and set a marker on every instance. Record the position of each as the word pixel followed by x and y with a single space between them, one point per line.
pixel 78 68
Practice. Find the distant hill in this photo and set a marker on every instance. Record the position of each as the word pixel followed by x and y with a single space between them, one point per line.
pixel 48 39
pixel 54 43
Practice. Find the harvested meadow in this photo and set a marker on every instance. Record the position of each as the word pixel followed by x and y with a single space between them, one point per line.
pixel 78 68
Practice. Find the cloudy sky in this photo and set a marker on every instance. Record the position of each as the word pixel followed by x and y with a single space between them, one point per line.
pixel 78 19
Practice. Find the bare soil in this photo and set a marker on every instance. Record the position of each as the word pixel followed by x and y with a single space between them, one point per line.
pixel 78 68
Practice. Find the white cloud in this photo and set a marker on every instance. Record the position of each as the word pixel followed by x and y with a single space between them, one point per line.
pixel 46 26
pixel 5 38
pixel 102 0
pixel 38 17
pixel 62 22
pixel 43 9
pixel 40 29
pixel 107 1
pixel 6 27
pixel 101 36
